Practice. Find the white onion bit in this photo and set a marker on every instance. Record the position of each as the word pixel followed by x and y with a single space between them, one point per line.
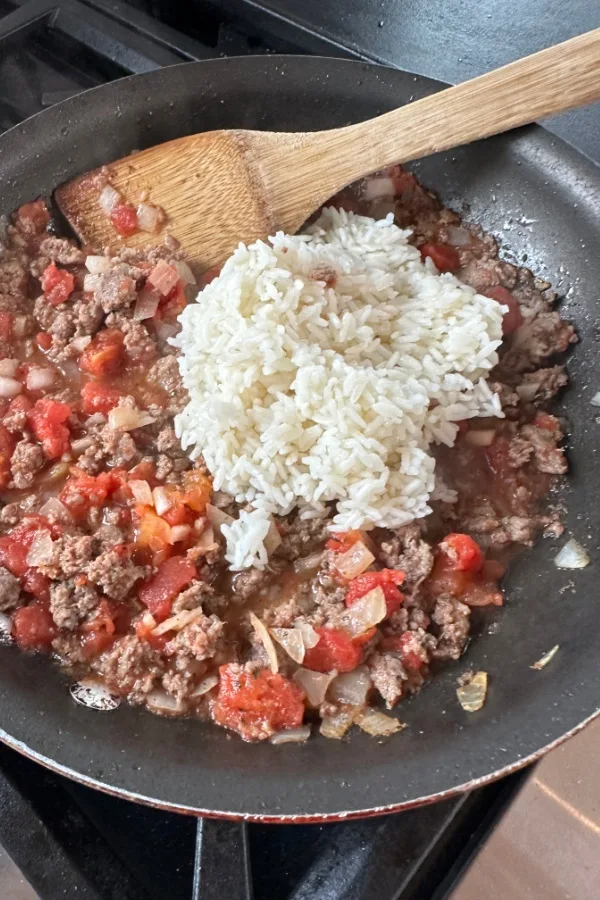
pixel 97 265
pixel 108 199
pixel 160 701
pixel 206 685
pixel 94 695
pixel 314 684
pixel 291 641
pixel 546 658
pixel 142 492
pixel 572 556
pixel 378 724
pixel 123 418
pixel 366 612
pixel 9 387
pixel 471 695
pixel 336 726
pixel 595 401
pixel 267 642
pixel 351 688
pixel 40 379
pixel 291 735
pixel 310 638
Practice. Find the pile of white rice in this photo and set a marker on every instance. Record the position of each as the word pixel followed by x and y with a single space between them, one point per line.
pixel 303 393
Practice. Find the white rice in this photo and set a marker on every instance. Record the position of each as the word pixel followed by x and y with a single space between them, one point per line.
pixel 302 394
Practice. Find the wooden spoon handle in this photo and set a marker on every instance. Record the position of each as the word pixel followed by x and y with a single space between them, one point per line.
pixel 551 81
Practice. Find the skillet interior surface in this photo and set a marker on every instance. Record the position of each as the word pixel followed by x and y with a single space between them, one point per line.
pixel 541 198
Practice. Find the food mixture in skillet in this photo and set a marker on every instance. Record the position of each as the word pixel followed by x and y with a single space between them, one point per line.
pixel 123 556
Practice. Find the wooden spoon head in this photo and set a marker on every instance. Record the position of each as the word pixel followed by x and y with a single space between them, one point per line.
pixel 208 185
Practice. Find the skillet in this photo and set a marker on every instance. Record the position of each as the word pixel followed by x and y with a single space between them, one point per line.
pixel 541 198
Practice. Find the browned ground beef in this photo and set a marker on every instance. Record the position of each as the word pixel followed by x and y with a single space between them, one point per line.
pixel 91 593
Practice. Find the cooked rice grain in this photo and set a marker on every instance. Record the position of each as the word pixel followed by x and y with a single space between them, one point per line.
pixel 303 393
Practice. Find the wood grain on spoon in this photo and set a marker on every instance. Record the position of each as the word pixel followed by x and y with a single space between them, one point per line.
pixel 221 187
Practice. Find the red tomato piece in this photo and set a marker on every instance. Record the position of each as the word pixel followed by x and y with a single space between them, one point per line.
pixel 57 284
pixel 547 422
pixel 160 590
pixel 386 579
pixel 335 650
pixel 33 627
pixel 8 442
pixel 444 257
pixel 198 490
pixel 82 491
pixel 152 532
pixel 6 326
pixel 43 340
pixel 462 552
pixel 343 541
pixel 99 398
pixel 157 641
pixel 407 644
pixel 104 354
pixel 47 420
pixel 33 217
pixel 481 593
pixel 513 318
pixel 257 705
pixel 124 219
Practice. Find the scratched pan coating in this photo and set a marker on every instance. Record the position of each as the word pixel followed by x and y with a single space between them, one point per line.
pixel 542 199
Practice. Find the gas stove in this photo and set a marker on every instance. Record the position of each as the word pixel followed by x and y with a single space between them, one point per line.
pixel 59 839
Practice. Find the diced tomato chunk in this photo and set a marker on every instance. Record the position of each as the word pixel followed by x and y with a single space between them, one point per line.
pixel 513 318
pixel 462 552
pixel 104 354
pixel 145 633
pixel 482 593
pixel 57 284
pixel 33 627
pixel 160 590
pixel 413 654
pixel 152 532
pixel 334 650
pixel 99 398
pixel 47 420
pixel 43 340
pixel 8 442
pixel 96 642
pixel 82 491
pixel 14 548
pixel 547 422
pixel 386 579
pixel 256 705
pixel 124 219
pixel 198 490
pixel 344 540
pixel 33 217
pixel 444 257
pixel 6 325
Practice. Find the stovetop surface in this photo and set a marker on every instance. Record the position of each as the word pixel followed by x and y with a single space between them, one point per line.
pixel 69 841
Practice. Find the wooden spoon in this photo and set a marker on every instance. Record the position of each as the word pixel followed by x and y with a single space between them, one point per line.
pixel 221 187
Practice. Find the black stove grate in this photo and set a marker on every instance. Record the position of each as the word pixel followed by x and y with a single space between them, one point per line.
pixel 68 840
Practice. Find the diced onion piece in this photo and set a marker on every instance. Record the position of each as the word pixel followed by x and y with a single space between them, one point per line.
pixel 457 236
pixel 40 379
pixel 165 330
pixel 163 277
pixel 149 217
pixel 380 186
pixel 306 565
pixel 471 695
pixel 291 641
pixel 572 556
pixel 93 694
pixel 5 630
pixel 272 539
pixel 8 367
pixel 267 642
pixel 366 612
pixel 142 492
pixel 160 701
pixel 291 735
pixel 146 304
pixel 179 620
pixel 9 387
pixel 123 418
pixel 354 561
pixel 314 684
pixel 336 726
pixel 162 500
pixel 217 517
pixel 184 272
pixel 53 507
pixel 108 199
pixel 206 541
pixel 97 265
pixel 351 688
pixel 378 724
pixel 180 533
pixel 91 283
pixel 41 549
pixel 480 438
pixel 310 637
pixel 148 620
pixel 81 343
pixel 595 401
pixel 80 445
pixel 206 685
pixel 546 658
pixel 528 391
